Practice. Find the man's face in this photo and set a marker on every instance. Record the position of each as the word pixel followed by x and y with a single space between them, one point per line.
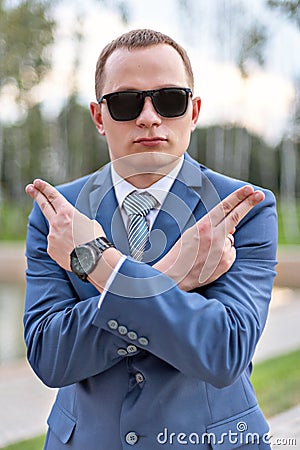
pixel 149 144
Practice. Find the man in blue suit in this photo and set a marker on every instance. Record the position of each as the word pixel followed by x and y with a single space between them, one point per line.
pixel 151 350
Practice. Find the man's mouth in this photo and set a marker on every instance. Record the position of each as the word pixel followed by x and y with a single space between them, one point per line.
pixel 150 141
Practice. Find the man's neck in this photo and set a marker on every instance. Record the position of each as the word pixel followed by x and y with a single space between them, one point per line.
pixel 143 179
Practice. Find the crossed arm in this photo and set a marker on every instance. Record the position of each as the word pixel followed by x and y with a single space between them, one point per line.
pixel 202 254
pixel 59 329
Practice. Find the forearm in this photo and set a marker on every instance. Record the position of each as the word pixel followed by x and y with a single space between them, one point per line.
pixel 213 339
pixel 211 336
pixel 64 347
pixel 62 344
pixel 212 333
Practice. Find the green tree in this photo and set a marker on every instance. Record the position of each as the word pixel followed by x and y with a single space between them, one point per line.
pixel 291 8
pixel 290 151
pixel 26 31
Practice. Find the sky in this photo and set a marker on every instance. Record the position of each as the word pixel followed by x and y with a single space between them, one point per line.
pixel 263 102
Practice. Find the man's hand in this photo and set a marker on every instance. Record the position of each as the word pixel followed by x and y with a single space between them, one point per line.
pixel 67 226
pixel 202 254
pixel 206 250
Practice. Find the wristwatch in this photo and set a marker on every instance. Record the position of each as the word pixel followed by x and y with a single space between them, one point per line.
pixel 85 257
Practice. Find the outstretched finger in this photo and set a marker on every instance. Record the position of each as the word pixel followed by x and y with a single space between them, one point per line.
pixel 48 198
pixel 226 206
pixel 55 198
pixel 45 206
pixel 242 209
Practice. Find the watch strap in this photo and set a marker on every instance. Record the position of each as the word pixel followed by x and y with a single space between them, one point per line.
pixel 102 243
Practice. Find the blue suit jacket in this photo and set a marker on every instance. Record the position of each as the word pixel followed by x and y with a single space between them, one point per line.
pixel 154 366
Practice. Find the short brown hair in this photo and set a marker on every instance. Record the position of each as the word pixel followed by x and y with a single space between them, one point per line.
pixel 137 39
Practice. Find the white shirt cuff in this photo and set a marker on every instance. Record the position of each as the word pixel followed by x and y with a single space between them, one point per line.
pixel 111 279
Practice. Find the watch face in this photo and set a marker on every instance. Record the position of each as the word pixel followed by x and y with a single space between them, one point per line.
pixel 84 260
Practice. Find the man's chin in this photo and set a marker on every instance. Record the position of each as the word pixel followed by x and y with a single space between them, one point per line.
pixel 145 163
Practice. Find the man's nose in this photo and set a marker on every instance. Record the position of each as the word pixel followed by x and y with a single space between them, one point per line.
pixel 148 116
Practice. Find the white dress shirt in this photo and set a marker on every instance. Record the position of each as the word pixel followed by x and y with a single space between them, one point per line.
pixel 159 190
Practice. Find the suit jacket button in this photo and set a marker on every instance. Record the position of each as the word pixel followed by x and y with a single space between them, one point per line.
pixel 139 377
pixel 122 352
pixel 122 330
pixel 132 335
pixel 143 340
pixel 131 438
pixel 112 324
pixel 131 348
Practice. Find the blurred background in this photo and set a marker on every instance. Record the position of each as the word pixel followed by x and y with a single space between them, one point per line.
pixel 245 57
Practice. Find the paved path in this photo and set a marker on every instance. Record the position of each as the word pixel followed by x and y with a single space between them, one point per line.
pixel 285 430
pixel 282 332
pixel 26 402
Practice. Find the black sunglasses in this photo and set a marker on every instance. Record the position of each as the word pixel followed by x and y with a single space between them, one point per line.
pixel 128 105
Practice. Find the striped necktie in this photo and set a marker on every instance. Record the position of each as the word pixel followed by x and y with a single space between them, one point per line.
pixel 137 206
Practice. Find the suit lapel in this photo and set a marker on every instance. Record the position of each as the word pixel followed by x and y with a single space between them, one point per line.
pixel 177 212
pixel 104 208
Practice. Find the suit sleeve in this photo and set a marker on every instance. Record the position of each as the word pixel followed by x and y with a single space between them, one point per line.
pixel 63 345
pixel 211 333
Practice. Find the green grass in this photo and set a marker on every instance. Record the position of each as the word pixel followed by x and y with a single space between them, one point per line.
pixel 288 223
pixel 277 383
pixel 30 444
pixel 13 221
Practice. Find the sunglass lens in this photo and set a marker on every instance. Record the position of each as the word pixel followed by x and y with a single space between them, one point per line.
pixel 125 105
pixel 170 102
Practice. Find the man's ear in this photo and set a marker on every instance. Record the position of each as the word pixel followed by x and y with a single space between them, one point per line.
pixel 95 110
pixel 196 112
